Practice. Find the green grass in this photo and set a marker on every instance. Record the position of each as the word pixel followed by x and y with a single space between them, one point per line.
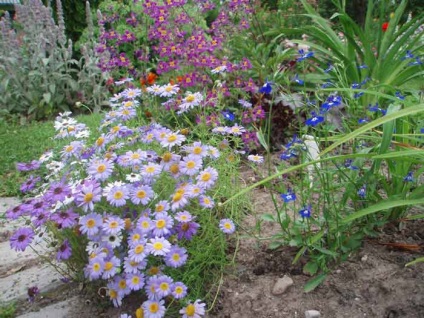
pixel 25 143
pixel 7 311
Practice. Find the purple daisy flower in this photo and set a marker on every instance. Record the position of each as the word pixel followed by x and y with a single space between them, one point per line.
pixel 135 281
pixel 94 268
pixel 187 230
pixel 15 212
pixel 206 202
pixel 21 238
pixel 65 219
pixel 164 284
pixel 28 166
pixel 30 183
pixel 64 252
pixel 176 257
pixel 111 267
pixel 195 309
pixel 113 225
pixel 206 178
pixel 227 226
pixel 39 218
pixel 58 191
pixel 190 165
pixel 138 251
pixel 158 246
pixel 87 194
pixel 154 308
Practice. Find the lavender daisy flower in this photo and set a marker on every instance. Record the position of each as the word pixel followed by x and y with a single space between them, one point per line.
pixel 162 206
pixel 65 219
pixel 100 169
pixel 255 158
pixel 164 284
pixel 114 296
pixel 87 194
pixel 117 196
pixel 144 225
pixel 178 290
pixel 206 178
pixel 64 252
pixel 123 288
pixel 38 219
pixel 178 201
pixel 22 238
pixel 113 225
pixel 94 269
pixel 135 281
pixel 162 224
pixel 194 310
pixel 187 230
pixel 16 212
pixel 150 170
pixel 111 267
pixel 158 246
pixel 190 165
pixel 227 226
pixel 176 257
pixel 206 202
pixel 141 194
pixel 154 308
pixel 90 224
pixel 184 216
pixel 30 184
pixel 138 252
pixel 171 139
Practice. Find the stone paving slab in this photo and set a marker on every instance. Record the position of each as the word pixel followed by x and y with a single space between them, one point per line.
pixel 7 203
pixel 16 285
pixel 59 310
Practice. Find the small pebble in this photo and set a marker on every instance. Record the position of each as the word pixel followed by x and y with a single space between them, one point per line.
pixel 312 314
pixel 364 258
pixel 338 271
pixel 281 285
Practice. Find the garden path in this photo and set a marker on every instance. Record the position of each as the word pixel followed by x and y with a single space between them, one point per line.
pixel 22 270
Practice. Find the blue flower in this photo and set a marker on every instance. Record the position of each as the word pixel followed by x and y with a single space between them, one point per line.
pixel 365 80
pixel 356 85
pixel 332 101
pixel 329 68
pixel 289 196
pixel 362 192
pixel 304 55
pixel 228 115
pixel 399 95
pixel 408 55
pixel 357 95
pixel 306 212
pixel 416 62
pixel 315 120
pixel 286 155
pixel 363 120
pixel 362 66
pixel 327 84
pixel 409 177
pixel 297 80
pixel 266 88
pixel 348 164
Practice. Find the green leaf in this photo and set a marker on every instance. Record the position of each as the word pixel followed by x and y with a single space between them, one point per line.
pixel 381 206
pixel 275 244
pixel 314 282
pixel 416 261
pixel 311 268
pixel 261 139
pixel 47 97
pixel 268 217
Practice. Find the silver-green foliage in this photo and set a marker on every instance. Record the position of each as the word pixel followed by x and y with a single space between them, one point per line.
pixel 38 76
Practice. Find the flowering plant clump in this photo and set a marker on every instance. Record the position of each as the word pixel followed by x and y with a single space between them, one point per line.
pixel 125 207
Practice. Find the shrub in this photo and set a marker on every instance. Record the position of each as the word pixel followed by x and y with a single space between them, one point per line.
pixel 38 75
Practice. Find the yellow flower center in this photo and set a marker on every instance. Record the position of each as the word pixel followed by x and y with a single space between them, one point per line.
pixel 118 195
pixel 69 149
pixel 160 224
pixel 150 169
pixel 108 266
pixel 190 310
pixel 136 237
pixel 145 225
pixel 154 307
pixel 176 257
pixel 164 286
pixel 206 176
pixel 172 138
pixel 158 246
pixel 190 98
pixel 90 223
pixel 113 224
pixel 179 290
pixel 141 194
pixel 159 208
pixel 139 249
pixel 96 267
pixel 197 150
pixel 167 157
pixel 135 280
pixel 191 164
pixel 122 284
pixel 101 168
pixel 135 156
pixel 174 169
pixel 113 294
pixel 88 197
pixel 177 197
